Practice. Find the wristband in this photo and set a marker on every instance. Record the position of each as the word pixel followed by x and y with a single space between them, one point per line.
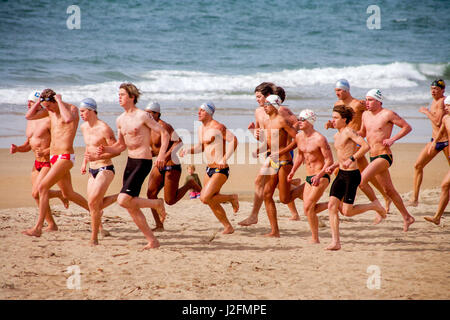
pixel 352 158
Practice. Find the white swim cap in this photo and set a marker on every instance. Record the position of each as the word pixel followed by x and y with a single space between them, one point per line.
pixel 34 96
pixel 153 106
pixel 209 107
pixel 308 115
pixel 342 84
pixel 447 100
pixel 376 94
pixel 89 103
pixel 274 100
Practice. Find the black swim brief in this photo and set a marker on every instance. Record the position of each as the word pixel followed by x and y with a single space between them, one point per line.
pixel 387 157
pixel 211 171
pixel 309 178
pixel 176 167
pixel 134 175
pixel 440 145
pixel 345 185
pixel 95 172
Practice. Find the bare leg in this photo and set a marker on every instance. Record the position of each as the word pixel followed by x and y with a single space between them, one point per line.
pixel 443 201
pixel 210 196
pixel 133 207
pixel 310 198
pixel 154 187
pixel 257 201
pixel 333 211
pixel 269 203
pixel 423 159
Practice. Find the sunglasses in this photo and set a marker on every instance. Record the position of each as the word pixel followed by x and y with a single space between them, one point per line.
pixel 302 119
pixel 48 99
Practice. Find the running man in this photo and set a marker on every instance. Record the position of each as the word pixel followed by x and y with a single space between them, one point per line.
pixel 342 90
pixel 344 187
pixel 101 169
pixel 64 123
pixel 377 125
pixel 134 128
pixel 279 162
pixel 212 140
pixel 435 114
pixel 169 176
pixel 38 140
pixel 445 185
pixel 262 91
pixel 314 150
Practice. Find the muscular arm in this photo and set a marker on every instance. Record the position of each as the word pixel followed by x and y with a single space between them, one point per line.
pixel 153 125
pixel 359 140
pixel 25 147
pixel 400 122
pixel 67 114
pixel 35 113
pixel 292 133
pixel 118 147
pixel 231 145
pixel 437 117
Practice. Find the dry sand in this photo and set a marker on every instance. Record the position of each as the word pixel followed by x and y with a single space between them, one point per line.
pixel 195 261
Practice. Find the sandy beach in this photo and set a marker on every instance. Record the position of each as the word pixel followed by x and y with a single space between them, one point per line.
pixel 195 261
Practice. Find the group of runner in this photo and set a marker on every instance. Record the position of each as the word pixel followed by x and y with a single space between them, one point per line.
pixel 52 125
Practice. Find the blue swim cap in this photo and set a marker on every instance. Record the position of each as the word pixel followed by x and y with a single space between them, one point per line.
pixel 89 103
pixel 209 107
pixel 343 84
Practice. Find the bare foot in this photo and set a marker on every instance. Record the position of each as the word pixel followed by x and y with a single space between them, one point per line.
pixel 333 246
pixel 381 212
pixel 409 221
pixel 152 245
pixel 158 229
pixel 295 218
pixel 64 201
pixel 249 221
pixel 273 234
pixel 32 232
pixel 433 220
pixel 228 230
pixel 51 228
pixel 161 211
pixel 93 243
pixel 413 203
pixel 235 203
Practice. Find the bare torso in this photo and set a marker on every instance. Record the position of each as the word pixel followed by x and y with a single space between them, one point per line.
pixel 435 108
pixel 95 136
pixel 212 137
pixel 136 133
pixel 310 147
pixel 378 128
pixel 63 134
pixel 155 140
pixel 277 137
pixel 345 148
pixel 38 134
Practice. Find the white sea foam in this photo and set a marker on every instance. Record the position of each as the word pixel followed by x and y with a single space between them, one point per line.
pixel 192 85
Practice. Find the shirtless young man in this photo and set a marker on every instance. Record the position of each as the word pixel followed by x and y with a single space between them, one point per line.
pixel 38 140
pixel 377 125
pixel 279 162
pixel 101 169
pixel 212 140
pixel 169 176
pixel 435 114
pixel 445 185
pixel 314 150
pixel 342 90
pixel 262 91
pixel 64 123
pixel 344 187
pixel 134 128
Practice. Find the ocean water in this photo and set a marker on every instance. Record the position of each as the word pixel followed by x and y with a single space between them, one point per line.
pixel 182 53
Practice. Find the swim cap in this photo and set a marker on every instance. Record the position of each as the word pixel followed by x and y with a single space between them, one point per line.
pixel 447 100
pixel 89 103
pixel 209 107
pixel 376 94
pixel 153 106
pixel 342 84
pixel 438 83
pixel 308 115
pixel 274 100
pixel 34 96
